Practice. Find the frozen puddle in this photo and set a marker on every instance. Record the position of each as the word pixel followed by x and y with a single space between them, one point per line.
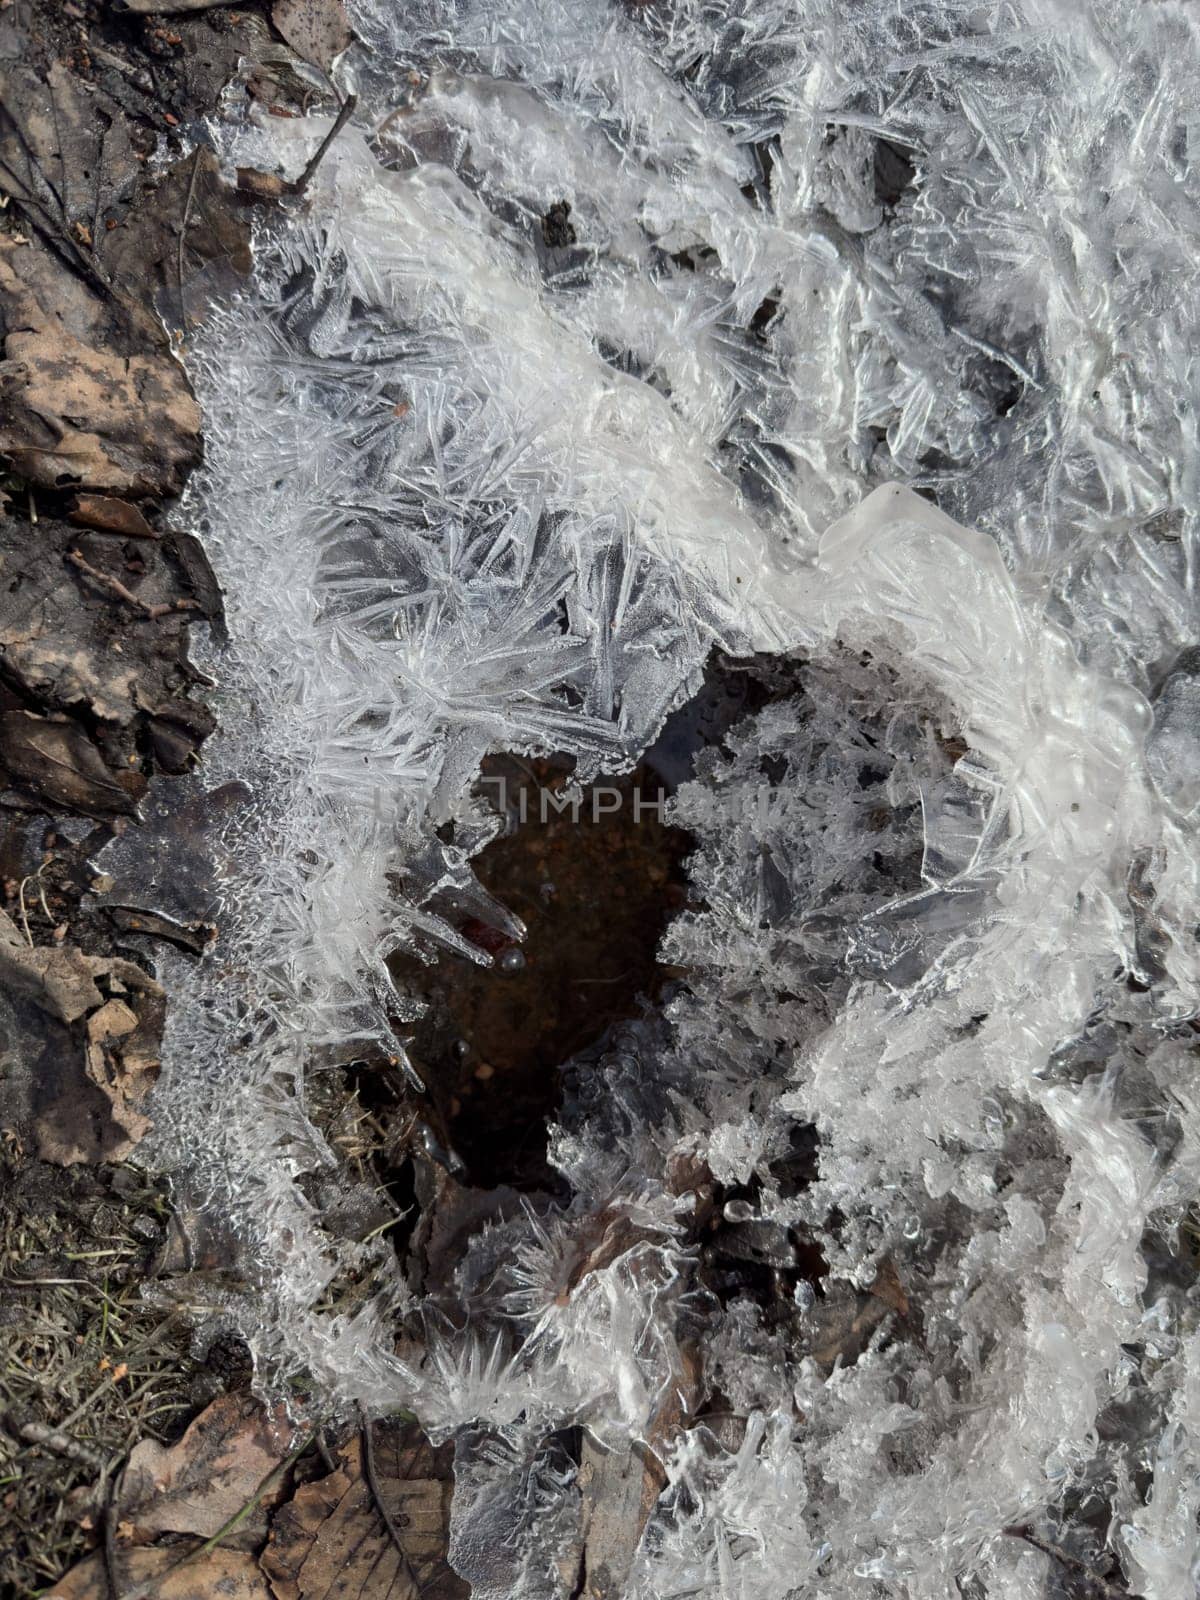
pixel 608 336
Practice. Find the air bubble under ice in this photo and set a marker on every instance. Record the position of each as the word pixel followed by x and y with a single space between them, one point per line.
pixel 874 350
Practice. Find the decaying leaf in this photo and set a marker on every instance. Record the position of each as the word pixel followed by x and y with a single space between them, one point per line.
pixel 315 29
pixel 59 761
pixel 198 1484
pixel 74 413
pixel 159 1575
pixel 187 241
pixel 201 580
pixel 105 1016
pixel 69 647
pixel 65 154
pixel 332 1539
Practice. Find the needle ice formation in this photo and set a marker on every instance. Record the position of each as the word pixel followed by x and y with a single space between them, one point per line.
pixel 472 490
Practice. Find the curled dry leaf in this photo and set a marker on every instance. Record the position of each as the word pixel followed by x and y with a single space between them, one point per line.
pixel 193 937
pixel 110 515
pixel 332 1539
pixel 262 185
pixel 198 1484
pixel 121 1059
pixel 61 980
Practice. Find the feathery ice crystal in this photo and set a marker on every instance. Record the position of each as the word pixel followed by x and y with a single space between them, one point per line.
pixel 478 482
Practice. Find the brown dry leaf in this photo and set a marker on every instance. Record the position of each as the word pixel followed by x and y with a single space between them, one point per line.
pixel 227 1574
pixel 98 1112
pixel 61 980
pixel 58 760
pixel 315 29
pixel 121 1059
pixel 331 1538
pixel 198 1484
pixel 110 516
pixel 76 414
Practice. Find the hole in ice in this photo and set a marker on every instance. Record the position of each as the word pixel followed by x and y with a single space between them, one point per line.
pixel 746 1256
pixel 595 875
pixel 895 172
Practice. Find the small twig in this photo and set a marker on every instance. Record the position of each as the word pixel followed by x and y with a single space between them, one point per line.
pixel 38 1433
pixel 24 913
pixel 183 227
pixel 115 587
pixel 345 112
pixel 373 1486
pixel 1102 1587
pixel 110 1537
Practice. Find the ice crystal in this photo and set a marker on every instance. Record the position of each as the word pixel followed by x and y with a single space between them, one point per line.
pixel 481 478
